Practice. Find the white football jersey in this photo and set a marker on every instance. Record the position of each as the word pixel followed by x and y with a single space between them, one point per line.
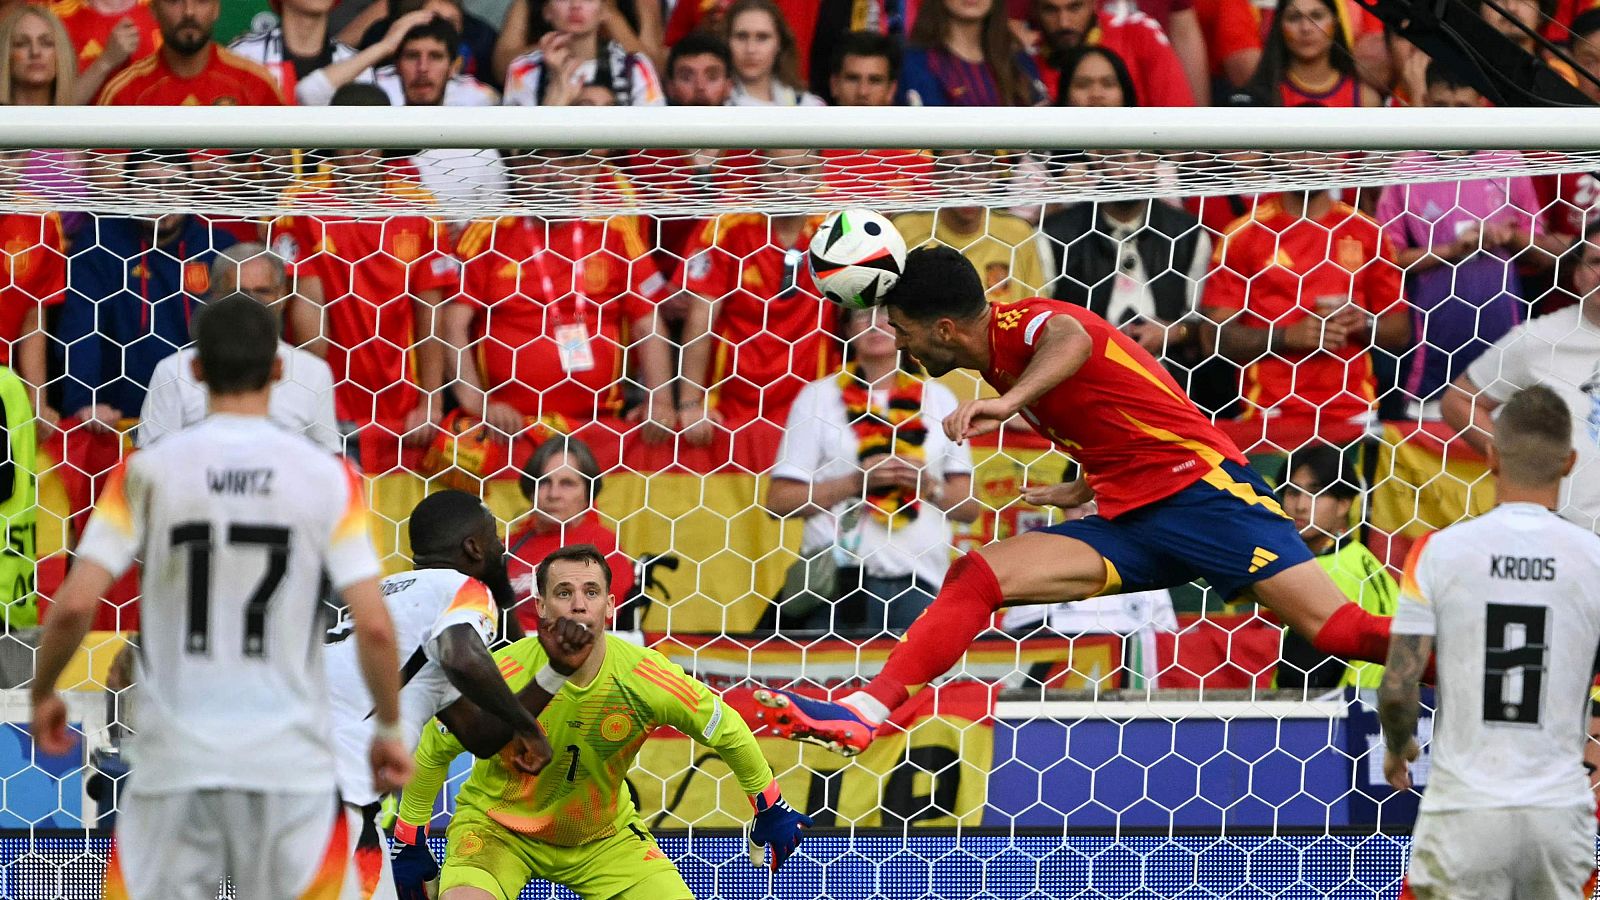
pixel 1513 599
pixel 236 522
pixel 423 604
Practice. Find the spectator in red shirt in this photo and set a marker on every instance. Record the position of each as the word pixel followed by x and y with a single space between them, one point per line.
pixel 1300 291
pixel 1232 31
pixel 33 276
pixel 1307 59
pixel 699 73
pixel 190 69
pixel 756 332
pixel 379 282
pixel 106 33
pixel 1158 75
pixel 963 53
pixel 561 481
pixel 867 73
pixel 550 309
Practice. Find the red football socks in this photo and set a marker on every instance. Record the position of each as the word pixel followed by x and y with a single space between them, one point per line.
pixel 1353 633
pixel 938 639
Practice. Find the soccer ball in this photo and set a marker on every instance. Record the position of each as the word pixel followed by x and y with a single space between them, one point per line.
pixel 856 257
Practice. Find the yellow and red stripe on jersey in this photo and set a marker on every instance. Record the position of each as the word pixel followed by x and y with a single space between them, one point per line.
pixel 510 668
pixel 328 883
pixel 472 595
pixel 116 885
pixel 353 523
pixel 112 505
pixel 673 683
pixel 1408 576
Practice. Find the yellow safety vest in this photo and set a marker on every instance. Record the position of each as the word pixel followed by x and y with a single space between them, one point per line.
pixel 19 513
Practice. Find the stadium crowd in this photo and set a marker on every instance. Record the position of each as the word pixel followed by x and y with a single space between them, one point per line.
pixel 555 351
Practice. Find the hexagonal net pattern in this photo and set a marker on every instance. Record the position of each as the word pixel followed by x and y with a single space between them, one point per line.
pixel 627 348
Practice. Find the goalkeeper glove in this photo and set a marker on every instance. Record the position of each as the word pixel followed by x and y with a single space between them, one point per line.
pixel 777 825
pixel 411 861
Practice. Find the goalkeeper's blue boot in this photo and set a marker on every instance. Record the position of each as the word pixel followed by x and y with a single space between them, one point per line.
pixel 833 726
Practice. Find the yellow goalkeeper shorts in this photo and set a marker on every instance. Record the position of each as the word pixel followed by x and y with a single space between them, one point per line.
pixel 628 865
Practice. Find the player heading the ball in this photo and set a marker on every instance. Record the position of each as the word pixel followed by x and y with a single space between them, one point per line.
pixel 575 823
pixel 1512 599
pixel 235 523
pixel 1176 499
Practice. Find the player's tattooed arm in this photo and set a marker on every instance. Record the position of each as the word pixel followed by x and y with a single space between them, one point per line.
pixel 1399 696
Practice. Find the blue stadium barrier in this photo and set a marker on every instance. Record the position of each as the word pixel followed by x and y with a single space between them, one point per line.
pixel 968 866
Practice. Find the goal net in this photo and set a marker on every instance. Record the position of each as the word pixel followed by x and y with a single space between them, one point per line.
pixel 620 343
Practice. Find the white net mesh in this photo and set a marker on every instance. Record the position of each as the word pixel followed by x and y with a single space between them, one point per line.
pixel 545 295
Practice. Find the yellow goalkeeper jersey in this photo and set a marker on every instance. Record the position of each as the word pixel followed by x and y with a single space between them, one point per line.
pixel 596 731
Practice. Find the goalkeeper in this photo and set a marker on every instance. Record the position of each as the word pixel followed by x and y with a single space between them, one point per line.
pixel 575 824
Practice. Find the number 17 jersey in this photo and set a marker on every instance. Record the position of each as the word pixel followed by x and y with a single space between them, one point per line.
pixel 1513 598
pixel 235 523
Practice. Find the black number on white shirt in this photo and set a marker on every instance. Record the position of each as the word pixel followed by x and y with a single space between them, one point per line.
pixel 1515 657
pixel 197 538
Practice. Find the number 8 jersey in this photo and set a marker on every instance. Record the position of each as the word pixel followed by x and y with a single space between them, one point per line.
pixel 1513 598
pixel 235 523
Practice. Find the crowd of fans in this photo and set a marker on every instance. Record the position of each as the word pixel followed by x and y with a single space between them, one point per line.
pixel 1314 312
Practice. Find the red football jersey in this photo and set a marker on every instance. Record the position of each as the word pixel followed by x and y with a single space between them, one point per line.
pixel 227 80
pixel 33 271
pixel 372 273
pixel 541 284
pixel 1157 73
pixel 855 174
pixel 1121 416
pixel 90 29
pixel 774 333
pixel 1280 268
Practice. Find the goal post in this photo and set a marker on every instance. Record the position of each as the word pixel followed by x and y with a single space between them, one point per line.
pixel 1166 743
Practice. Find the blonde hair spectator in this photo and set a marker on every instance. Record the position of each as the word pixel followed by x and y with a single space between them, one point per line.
pixel 39 67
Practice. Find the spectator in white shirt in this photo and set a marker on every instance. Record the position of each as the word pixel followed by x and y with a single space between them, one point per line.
pixel 1561 351
pixel 572 55
pixel 865 461
pixel 426 73
pixel 302 399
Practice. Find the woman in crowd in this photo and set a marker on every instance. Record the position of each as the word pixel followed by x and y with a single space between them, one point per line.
pixel 865 462
pixel 636 26
pixel 963 53
pixel 1307 60
pixel 39 68
pixel 573 54
pixel 766 63
pixel 561 481
pixel 1095 76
